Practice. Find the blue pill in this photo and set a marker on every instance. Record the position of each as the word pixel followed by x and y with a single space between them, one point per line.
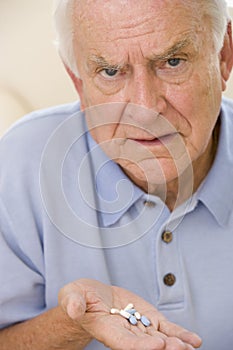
pixel 131 311
pixel 133 320
pixel 145 321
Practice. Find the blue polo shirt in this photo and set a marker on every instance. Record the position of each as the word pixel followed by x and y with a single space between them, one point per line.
pixel 68 212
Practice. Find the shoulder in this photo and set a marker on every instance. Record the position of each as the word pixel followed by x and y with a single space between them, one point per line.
pixel 40 121
pixel 22 146
pixel 29 135
pixel 226 118
pixel 227 106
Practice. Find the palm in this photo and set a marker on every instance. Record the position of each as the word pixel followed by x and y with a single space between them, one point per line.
pixel 116 332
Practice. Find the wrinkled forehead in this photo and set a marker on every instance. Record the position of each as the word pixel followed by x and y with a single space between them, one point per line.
pixel 102 14
pixel 102 25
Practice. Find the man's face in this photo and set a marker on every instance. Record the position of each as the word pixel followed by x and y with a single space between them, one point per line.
pixel 154 62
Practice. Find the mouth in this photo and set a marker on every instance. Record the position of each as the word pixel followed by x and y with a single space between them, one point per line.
pixel 156 141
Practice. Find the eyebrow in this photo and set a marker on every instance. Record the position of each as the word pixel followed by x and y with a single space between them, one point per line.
pixel 101 62
pixel 170 52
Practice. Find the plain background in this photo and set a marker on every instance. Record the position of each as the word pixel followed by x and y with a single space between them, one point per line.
pixel 31 73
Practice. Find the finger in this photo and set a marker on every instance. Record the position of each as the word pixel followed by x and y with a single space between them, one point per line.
pixel 120 334
pixel 173 330
pixel 72 301
pixel 138 331
pixel 75 306
pixel 171 343
pixel 177 344
pixel 135 340
pixel 154 333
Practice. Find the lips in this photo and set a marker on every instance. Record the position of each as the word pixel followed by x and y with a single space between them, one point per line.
pixel 163 139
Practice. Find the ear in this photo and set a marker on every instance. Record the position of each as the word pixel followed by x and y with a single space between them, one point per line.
pixel 226 56
pixel 78 84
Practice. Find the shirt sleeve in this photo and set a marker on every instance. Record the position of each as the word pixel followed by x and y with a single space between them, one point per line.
pixel 22 284
pixel 22 275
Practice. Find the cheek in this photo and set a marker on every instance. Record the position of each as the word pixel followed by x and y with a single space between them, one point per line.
pixel 102 134
pixel 198 100
pixel 104 121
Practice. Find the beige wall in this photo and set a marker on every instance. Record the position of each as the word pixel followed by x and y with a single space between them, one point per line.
pixel 229 91
pixel 31 74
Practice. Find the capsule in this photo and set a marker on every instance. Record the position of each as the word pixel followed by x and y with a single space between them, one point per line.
pixel 128 307
pixel 131 311
pixel 133 320
pixel 137 315
pixel 145 321
pixel 125 314
pixel 114 311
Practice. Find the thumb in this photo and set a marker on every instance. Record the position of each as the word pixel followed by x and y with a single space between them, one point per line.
pixel 73 303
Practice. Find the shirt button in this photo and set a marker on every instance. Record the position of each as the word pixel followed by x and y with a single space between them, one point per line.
pixel 169 279
pixel 149 204
pixel 167 236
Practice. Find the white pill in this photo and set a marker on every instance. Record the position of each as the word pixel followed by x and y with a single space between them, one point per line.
pixel 129 306
pixel 137 315
pixel 125 314
pixel 115 311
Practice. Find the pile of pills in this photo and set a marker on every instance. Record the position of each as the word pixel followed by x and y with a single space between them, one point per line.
pixel 132 315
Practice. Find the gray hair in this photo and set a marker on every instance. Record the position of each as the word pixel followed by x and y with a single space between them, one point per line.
pixel 216 10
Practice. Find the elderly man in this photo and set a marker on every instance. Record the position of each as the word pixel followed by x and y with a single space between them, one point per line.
pixel 125 198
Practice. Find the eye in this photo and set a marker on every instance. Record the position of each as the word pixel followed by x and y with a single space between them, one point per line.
pixel 109 72
pixel 174 62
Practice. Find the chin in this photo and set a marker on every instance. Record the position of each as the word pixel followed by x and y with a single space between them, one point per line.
pixel 145 178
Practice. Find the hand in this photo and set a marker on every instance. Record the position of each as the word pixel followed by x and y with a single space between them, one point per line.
pixel 88 304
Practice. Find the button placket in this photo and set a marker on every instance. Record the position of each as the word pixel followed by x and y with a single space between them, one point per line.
pixel 169 279
pixel 169 270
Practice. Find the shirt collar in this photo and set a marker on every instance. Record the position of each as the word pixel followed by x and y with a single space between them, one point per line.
pixel 214 193
pixel 115 193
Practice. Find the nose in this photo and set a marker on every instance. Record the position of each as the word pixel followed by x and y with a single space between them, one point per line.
pixel 146 90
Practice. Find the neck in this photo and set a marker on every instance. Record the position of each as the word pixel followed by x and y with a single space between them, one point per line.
pixel 182 188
